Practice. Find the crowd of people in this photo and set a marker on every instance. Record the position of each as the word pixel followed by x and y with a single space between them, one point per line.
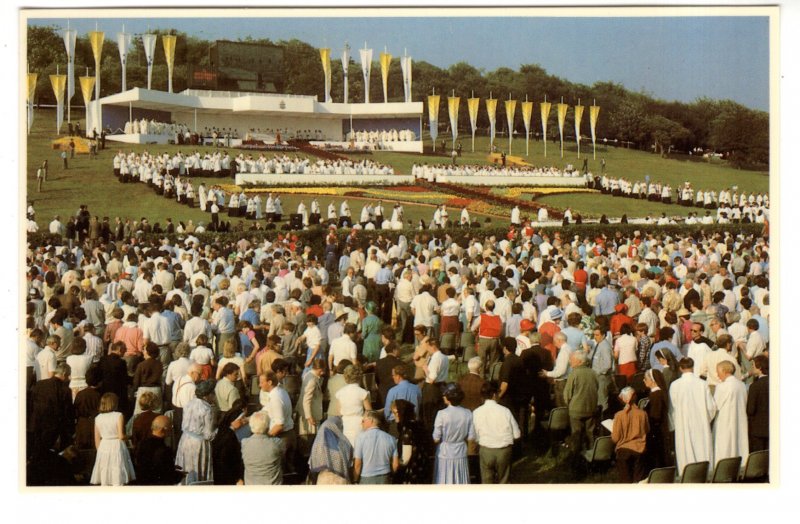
pixel 145 167
pixel 730 205
pixel 432 172
pixel 259 361
pixel 151 127
pixel 379 136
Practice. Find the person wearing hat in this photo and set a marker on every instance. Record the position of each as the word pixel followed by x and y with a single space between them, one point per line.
pixel 198 429
pixel 548 331
pixel 619 319
pixel 526 327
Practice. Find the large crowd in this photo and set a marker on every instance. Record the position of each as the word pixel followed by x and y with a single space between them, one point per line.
pixel 262 361
pixel 432 172
pixel 729 205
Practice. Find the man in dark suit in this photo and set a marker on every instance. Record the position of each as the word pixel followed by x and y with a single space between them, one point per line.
pixel 758 405
pixel 114 376
pixel 514 385
pixel 384 366
pixel 154 460
pixel 52 417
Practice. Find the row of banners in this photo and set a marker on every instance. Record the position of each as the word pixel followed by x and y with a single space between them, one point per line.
pixel 65 84
pixel 473 105
pixel 366 70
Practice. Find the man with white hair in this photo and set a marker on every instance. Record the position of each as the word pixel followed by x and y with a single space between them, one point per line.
pixel 262 454
pixel 561 368
pixel 580 396
pixel 730 424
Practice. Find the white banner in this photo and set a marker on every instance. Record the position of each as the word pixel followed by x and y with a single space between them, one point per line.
pixel 124 41
pixel 149 41
pixel 405 65
pixel 69 43
pixel 366 68
pixel 345 67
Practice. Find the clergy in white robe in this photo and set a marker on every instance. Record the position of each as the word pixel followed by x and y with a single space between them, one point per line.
pixel 691 411
pixel 730 424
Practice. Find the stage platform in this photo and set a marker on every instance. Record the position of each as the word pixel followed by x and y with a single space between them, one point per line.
pixel 165 139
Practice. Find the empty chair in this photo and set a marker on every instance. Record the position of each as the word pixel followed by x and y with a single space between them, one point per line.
pixel 558 420
pixel 756 469
pixel 661 476
pixel 695 473
pixel 602 451
pixel 727 470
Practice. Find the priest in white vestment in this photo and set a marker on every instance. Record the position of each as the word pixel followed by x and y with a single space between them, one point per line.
pixel 691 411
pixel 730 425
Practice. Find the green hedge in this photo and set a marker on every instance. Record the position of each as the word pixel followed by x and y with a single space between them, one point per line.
pixel 315 237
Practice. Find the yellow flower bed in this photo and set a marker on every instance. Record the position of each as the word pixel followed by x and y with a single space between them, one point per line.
pixel 516 192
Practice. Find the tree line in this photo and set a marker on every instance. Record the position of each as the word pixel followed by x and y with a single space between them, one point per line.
pixel 636 118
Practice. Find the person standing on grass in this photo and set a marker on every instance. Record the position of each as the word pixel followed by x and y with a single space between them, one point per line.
pixel 65 165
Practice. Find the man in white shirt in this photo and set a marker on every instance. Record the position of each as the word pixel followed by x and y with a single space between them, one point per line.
pixel 279 408
pixel 698 348
pixel 45 364
pixel 403 296
pixel 182 393
pixel 437 368
pixel 423 307
pixel 156 330
pixel 343 348
pixel 497 430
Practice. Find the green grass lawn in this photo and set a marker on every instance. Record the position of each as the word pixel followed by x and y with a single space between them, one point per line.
pixel 91 182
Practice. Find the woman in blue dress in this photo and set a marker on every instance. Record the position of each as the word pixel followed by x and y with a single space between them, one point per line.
pixel 451 431
pixel 371 332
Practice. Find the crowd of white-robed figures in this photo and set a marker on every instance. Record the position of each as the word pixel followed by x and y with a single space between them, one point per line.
pixel 708 427
pixel 151 127
pixel 433 171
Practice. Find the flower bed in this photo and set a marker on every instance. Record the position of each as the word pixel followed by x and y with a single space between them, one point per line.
pixel 536 192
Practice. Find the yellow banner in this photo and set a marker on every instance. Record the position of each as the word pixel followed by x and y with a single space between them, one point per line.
pixel 491 109
pixel 325 56
pixel 545 109
pixel 386 61
pixel 511 108
pixel 562 115
pixel 473 104
pixel 452 106
pixel 59 83
pixel 32 78
pixel 96 40
pixel 578 118
pixel 527 112
pixel 594 114
pixel 169 42
pixel 433 107
pixel 87 86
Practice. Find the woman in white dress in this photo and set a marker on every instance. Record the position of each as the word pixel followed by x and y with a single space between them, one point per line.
pixel 112 466
pixel 353 401
pixel 78 362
